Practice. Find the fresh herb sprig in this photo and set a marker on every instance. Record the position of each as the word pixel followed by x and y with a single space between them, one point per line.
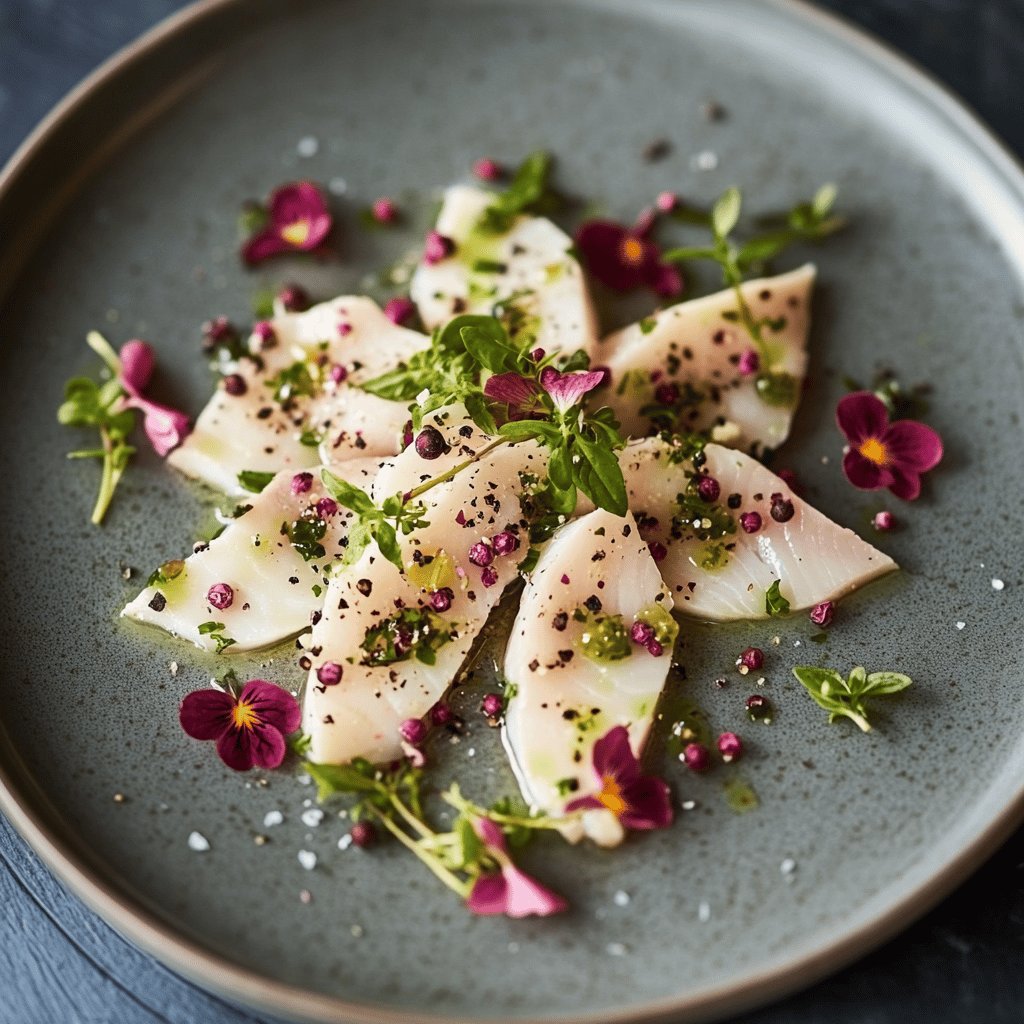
pixel 807 221
pixel 392 798
pixel 847 698
pixel 528 192
pixel 100 404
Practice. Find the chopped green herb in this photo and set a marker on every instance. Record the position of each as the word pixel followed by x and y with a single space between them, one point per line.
pixel 254 480
pixel 215 632
pixel 774 602
pixel 410 633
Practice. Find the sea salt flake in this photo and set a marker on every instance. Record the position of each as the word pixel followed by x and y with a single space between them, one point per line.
pixel 198 842
pixel 621 898
pixel 345 841
pixel 688 805
pixel 960 625
pixel 788 866
pixel 305 896
pixel 307 858
pixel 706 160
pixel 997 584
pixel 309 145
pixel 357 931
pixel 704 912
pixel 304 780
pixel 173 666
pixel 337 186
pixel 312 817
pixel 272 818
pixel 616 949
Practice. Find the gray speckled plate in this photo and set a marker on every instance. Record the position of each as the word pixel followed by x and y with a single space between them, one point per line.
pixel 120 213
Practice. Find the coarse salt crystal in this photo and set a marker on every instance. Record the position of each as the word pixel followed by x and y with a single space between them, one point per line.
pixel 616 949
pixel 423 396
pixel 345 841
pixel 307 858
pixel 312 817
pixel 704 912
pixel 337 186
pixel 198 842
pixel 960 625
pixel 788 866
pixel 309 145
pixel 706 160
pixel 998 584
pixel 357 931
pixel 304 780
pixel 272 818
pixel 621 898
pixel 173 666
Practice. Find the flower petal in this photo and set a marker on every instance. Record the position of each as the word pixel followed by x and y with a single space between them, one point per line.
pixel 665 280
pixel 861 415
pixel 137 363
pixel 584 803
pixel 489 895
pixel 906 483
pixel 235 749
pixel 491 833
pixel 648 804
pixel 526 897
pixel 913 445
pixel 566 389
pixel 263 245
pixel 511 388
pixel 267 747
pixel 165 427
pixel 206 714
pixel 865 474
pixel 272 705
pixel 613 756
pixel 303 203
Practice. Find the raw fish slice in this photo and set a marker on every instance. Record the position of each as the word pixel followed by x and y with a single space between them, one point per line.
pixel 529 265
pixel 724 578
pixel 694 345
pixel 564 701
pixel 256 431
pixel 275 590
pixel 360 715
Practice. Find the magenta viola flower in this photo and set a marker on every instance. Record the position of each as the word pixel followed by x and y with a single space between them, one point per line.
pixel 638 801
pixel 883 454
pixel 165 427
pixel 568 389
pixel 508 890
pixel 297 221
pixel 624 259
pixel 249 729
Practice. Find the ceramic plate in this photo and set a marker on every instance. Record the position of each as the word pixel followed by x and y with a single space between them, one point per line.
pixel 120 214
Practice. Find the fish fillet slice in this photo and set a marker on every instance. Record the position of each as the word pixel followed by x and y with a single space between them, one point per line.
pixel 563 701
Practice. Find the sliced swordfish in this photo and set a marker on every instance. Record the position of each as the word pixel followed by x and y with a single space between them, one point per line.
pixel 680 368
pixel 274 588
pixel 573 669
pixel 715 569
pixel 387 646
pixel 526 275
pixel 296 405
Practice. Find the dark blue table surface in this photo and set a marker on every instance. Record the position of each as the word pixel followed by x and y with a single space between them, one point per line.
pixel 963 962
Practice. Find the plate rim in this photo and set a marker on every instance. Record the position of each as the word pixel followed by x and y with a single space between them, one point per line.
pixel 215 973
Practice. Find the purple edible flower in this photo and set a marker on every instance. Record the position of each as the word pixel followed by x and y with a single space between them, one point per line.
pixel 492 705
pixel 696 757
pixel 730 746
pixel 489 576
pixel 481 553
pixel 749 364
pixel 326 507
pixel 437 247
pixel 413 731
pixel 264 333
pixel 441 599
pixel 165 427
pixel 505 543
pixel 638 801
pixel 297 221
pixel 709 489
pixel 568 389
pixel 624 259
pixel 249 729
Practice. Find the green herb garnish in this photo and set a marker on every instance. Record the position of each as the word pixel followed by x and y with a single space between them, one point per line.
pixel 410 633
pixel 774 603
pixel 254 480
pixel 527 192
pixel 215 631
pixel 846 698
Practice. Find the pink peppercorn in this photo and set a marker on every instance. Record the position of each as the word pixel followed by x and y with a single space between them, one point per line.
pixel 294 298
pixel 565 579
pixel 481 553
pixel 641 633
pixel 730 746
pixel 344 329
pixel 487 169
pixel 666 201
pixel 883 521
pixel 822 614
pixel 666 394
pixel 220 595
pixel 752 659
pixel 399 310
pixel 750 522
pixel 384 211
pixel 437 247
pixel 441 714
pixel 709 489
pixel 492 705
pixel 782 509
pixel 505 542
pixel 441 599
pixel 537 355
pixel 696 757
pixel 655 649
pixel 658 550
pixel 329 673
pixel 234 384
pixel 363 834
pixel 264 333
pixel 413 731
pixel 337 374
pixel 302 482
pixel 430 443
pixel 326 507
pixel 750 363
pixel 489 576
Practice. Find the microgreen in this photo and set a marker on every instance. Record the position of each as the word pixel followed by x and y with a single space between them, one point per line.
pixel 305 534
pixel 100 404
pixel 215 631
pixel 527 192
pixel 254 480
pixel 410 633
pixel 774 603
pixel 847 698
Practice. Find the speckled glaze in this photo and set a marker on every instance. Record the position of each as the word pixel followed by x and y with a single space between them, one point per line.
pixel 122 216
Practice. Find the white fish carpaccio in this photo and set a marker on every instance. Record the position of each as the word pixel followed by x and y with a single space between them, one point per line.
pixel 257 431
pixel 564 701
pixel 697 347
pixel 361 714
pixel 721 579
pixel 275 590
pixel 529 267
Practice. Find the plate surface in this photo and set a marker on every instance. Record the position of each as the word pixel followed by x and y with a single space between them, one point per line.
pixel 123 217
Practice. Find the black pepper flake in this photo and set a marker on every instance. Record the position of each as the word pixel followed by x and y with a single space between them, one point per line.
pixel 293 579
pixel 328 720
pixel 657 149
pixel 597 556
pixel 364 587
pixel 304 663
pixel 560 621
pixel 734 500
pixel 565 657
pixel 158 602
pixel 569 714
pixel 577 756
pixel 534 665
pixel 265 413
pixel 342 604
pixel 466 431
pixel 627 530
pixel 593 603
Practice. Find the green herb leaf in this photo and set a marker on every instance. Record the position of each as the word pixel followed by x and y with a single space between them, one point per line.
pixel 347 494
pixel 774 603
pixel 254 480
pixel 332 779
pixel 527 191
pixel 846 698
pixel 597 473
pixel 726 212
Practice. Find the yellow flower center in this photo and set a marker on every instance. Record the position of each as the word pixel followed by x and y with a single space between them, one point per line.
pixel 874 451
pixel 611 796
pixel 244 716
pixel 296 233
pixel 632 251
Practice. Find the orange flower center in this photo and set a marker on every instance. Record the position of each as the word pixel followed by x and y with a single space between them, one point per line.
pixel 244 716
pixel 611 796
pixel 874 451
pixel 296 233
pixel 632 251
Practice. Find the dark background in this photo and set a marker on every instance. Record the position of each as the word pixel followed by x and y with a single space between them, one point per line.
pixel 963 962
